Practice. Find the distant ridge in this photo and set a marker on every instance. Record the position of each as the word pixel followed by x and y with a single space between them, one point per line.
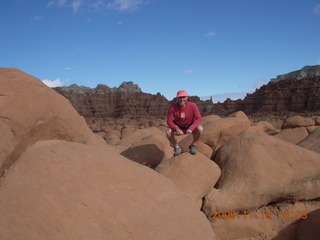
pixel 305 72
pixel 100 89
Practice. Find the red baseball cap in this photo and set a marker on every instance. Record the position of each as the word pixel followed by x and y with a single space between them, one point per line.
pixel 182 93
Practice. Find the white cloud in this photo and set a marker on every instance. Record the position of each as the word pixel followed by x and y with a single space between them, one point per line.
pixel 38 18
pixel 76 4
pixel 211 34
pixel 67 68
pixel 99 5
pixel 58 3
pixel 259 83
pixel 125 5
pixel 316 9
pixel 189 71
pixel 55 83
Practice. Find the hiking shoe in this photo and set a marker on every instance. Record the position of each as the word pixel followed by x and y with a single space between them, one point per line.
pixel 177 151
pixel 193 149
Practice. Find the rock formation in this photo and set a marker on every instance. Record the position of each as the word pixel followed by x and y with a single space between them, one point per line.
pixel 117 104
pixel 281 97
pixel 296 92
pixel 305 72
pixel 59 180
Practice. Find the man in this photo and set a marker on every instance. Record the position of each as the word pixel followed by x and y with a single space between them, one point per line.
pixel 183 118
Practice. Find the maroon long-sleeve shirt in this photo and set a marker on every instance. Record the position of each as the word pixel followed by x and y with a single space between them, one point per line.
pixel 181 116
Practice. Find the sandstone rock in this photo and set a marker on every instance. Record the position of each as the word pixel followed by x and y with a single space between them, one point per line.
pixel 117 104
pixel 317 121
pixel 107 128
pixel 289 95
pixel 312 142
pixel 298 121
pixel 126 131
pixel 194 175
pixel 258 169
pixel 306 71
pixel 276 123
pixel 101 134
pixel 302 229
pixel 261 223
pixel 95 127
pixel 261 127
pixel 209 118
pixel 311 129
pixel 100 89
pixel 138 135
pixel 293 135
pixel 112 138
pixel 150 151
pixel 35 112
pixel 217 133
pixel 203 148
pixel 64 190
pixel 7 142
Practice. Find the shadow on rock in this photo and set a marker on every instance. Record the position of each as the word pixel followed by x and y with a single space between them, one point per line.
pixel 149 155
pixel 302 229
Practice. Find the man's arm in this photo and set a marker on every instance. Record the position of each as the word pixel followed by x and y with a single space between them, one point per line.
pixel 170 118
pixel 196 117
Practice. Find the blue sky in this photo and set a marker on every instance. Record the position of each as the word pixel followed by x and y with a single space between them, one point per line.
pixel 207 47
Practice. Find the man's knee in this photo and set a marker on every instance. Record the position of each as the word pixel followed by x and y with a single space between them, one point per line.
pixel 169 132
pixel 199 129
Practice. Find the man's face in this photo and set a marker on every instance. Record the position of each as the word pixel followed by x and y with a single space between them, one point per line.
pixel 182 101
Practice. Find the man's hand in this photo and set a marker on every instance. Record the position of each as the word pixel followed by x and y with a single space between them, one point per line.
pixel 178 131
pixel 189 131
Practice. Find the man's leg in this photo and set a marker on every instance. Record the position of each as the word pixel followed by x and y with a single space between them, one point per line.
pixel 173 142
pixel 197 133
pixel 171 137
pixel 196 136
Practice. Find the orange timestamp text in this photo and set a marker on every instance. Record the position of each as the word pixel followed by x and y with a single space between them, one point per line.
pixel 285 214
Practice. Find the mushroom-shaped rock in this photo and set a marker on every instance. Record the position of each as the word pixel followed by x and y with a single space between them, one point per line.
pixel 298 121
pixel 257 169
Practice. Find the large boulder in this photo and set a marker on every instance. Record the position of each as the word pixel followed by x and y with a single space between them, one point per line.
pixel 298 121
pixel 209 118
pixel 293 135
pixel 217 132
pixel 138 135
pixel 7 142
pixel 150 151
pixel 262 127
pixel 312 142
pixel 302 229
pixel 33 112
pixel 195 175
pixel 258 169
pixel 64 190
pixel 263 223
pixel 61 181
